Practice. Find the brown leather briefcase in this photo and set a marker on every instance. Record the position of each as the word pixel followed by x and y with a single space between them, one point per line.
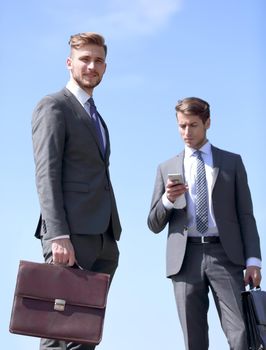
pixel 58 302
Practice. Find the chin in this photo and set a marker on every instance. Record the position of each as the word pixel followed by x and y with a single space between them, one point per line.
pixel 190 144
pixel 92 85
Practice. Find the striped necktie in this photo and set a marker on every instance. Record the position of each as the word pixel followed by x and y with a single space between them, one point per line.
pixel 201 195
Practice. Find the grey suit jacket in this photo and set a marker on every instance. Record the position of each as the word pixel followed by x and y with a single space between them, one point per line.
pixel 232 207
pixel 72 176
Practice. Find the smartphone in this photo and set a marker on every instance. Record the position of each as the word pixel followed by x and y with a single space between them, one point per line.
pixel 176 177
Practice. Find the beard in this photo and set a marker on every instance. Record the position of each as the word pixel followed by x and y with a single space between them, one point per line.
pixel 90 84
pixel 87 83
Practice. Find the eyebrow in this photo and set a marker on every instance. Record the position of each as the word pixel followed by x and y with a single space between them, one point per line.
pixel 185 123
pixel 90 56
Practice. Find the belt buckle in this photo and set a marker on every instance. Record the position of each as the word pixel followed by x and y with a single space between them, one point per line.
pixel 203 240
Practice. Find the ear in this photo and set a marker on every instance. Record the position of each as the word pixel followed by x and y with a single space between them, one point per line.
pixel 69 63
pixel 208 123
pixel 105 68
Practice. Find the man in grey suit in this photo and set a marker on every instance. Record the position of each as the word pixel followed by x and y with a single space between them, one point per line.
pixel 79 222
pixel 212 233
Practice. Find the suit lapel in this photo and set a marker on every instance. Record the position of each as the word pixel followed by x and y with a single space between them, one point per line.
pixel 216 157
pixel 80 112
pixel 180 163
pixel 107 151
pixel 174 165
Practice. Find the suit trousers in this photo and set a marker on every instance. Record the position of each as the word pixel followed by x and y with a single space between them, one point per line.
pixel 206 267
pixel 97 253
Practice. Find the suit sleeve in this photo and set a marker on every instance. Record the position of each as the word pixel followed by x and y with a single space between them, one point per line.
pixel 246 218
pixel 48 135
pixel 159 216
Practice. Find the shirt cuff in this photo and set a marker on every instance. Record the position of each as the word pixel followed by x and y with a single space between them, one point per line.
pixel 166 203
pixel 253 262
pixel 58 237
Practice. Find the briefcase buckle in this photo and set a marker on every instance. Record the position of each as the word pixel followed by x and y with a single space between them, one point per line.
pixel 59 304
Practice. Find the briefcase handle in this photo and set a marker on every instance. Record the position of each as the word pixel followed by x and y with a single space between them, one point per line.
pixel 75 266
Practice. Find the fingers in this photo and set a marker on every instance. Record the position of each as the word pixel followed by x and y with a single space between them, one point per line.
pixel 252 275
pixel 174 190
pixel 71 260
pixel 248 281
pixel 63 252
pixel 256 279
pixel 60 254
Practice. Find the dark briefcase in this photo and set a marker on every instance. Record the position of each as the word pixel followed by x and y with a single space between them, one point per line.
pixel 58 302
pixel 254 308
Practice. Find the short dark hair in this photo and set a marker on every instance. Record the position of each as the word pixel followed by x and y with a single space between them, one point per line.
pixel 194 106
pixel 78 40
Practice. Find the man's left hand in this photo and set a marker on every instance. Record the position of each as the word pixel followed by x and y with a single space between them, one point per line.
pixel 252 275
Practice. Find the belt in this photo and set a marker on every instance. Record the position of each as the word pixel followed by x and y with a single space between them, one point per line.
pixel 203 239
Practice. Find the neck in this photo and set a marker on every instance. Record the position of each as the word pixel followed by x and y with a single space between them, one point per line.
pixel 202 144
pixel 89 91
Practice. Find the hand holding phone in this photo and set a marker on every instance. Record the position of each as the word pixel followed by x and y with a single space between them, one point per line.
pixel 178 178
pixel 178 200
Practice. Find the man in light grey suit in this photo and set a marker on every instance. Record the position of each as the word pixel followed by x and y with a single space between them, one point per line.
pixel 79 222
pixel 212 233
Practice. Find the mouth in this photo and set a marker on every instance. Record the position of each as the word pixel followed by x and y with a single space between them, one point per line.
pixel 91 75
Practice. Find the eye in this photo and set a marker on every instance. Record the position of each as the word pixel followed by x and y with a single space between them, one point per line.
pixel 100 60
pixel 85 59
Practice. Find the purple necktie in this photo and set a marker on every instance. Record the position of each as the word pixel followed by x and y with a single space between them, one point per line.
pixel 96 123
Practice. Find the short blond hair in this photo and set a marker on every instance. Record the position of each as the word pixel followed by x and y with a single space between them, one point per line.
pixel 194 106
pixel 78 40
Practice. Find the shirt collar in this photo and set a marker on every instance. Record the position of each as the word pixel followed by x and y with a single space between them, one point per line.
pixel 80 94
pixel 205 149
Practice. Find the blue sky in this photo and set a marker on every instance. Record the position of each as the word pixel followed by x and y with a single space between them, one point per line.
pixel 158 52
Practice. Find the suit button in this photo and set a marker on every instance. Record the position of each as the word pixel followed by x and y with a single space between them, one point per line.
pixel 107 187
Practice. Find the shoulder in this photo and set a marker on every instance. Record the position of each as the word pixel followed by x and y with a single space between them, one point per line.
pixel 56 101
pixel 52 107
pixel 226 159
pixel 224 153
pixel 172 165
pixel 54 98
pixel 174 159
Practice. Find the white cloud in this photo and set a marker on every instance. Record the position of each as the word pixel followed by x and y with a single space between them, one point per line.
pixel 119 18
pixel 141 16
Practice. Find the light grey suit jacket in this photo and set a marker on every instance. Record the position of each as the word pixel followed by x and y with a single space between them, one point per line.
pixel 72 176
pixel 232 206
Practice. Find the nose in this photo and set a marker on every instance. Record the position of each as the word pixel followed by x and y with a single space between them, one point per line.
pixel 187 131
pixel 90 65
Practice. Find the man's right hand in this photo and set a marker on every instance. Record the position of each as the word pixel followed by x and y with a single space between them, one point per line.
pixel 174 190
pixel 63 252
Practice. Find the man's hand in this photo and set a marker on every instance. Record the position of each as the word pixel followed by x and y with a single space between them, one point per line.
pixel 174 190
pixel 252 275
pixel 63 252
